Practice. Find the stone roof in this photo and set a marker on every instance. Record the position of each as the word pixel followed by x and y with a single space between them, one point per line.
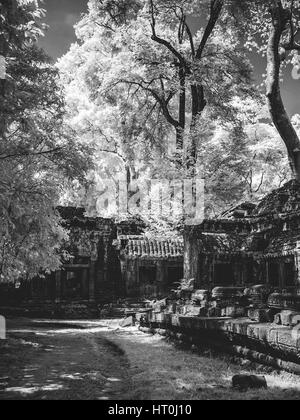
pixel 285 200
pixel 283 244
pixel 154 248
pixel 220 243
pixel 241 211
pixel 270 229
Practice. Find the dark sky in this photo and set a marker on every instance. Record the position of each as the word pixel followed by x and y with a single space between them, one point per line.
pixel 63 14
pixel 61 17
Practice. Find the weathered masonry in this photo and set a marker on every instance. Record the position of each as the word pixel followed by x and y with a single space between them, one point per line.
pixel 110 261
pixel 91 277
pixel 150 267
pixel 244 298
pixel 249 245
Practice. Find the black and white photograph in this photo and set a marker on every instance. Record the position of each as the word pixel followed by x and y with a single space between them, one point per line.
pixel 149 203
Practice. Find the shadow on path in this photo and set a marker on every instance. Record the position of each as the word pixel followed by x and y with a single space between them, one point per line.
pixel 61 361
pixel 86 360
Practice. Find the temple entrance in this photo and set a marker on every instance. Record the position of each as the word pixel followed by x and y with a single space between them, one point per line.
pixel 289 274
pixel 224 275
pixel 174 275
pixel 75 284
pixel 147 281
pixel 274 276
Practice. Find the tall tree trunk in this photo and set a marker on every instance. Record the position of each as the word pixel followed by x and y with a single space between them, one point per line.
pixel 277 109
pixel 198 105
pixel 181 111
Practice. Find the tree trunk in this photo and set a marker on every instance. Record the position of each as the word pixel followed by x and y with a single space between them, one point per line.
pixel 198 105
pixel 182 109
pixel 277 109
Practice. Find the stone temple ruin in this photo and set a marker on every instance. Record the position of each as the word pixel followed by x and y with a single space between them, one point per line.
pixel 243 295
pixel 242 271
pixel 110 261
pixel 249 245
pixel 150 267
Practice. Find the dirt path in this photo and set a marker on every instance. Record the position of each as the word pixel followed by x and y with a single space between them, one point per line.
pixel 84 360
pixel 59 363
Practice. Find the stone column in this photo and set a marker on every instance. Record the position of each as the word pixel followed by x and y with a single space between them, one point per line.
pixel 267 273
pixel 281 274
pixel 191 257
pixel 92 277
pixel 85 284
pixel 58 286
pixel 297 264
pixel 106 242
pixel 161 287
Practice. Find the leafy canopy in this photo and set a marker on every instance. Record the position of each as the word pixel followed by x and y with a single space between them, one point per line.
pixel 39 153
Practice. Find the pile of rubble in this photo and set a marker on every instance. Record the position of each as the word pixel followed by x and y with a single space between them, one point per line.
pixel 258 303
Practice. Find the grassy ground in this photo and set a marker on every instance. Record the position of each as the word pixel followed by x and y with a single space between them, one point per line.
pixel 102 361
pixel 161 371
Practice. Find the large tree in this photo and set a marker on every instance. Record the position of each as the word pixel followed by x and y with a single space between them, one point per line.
pixel 38 153
pixel 115 79
pixel 272 27
pixel 178 69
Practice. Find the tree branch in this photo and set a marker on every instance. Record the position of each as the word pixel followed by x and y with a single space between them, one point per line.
pixel 162 41
pixel 190 35
pixel 163 103
pixel 215 11
pixel 16 155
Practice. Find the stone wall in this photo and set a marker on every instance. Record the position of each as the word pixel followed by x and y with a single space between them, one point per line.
pixel 87 281
pixel 263 343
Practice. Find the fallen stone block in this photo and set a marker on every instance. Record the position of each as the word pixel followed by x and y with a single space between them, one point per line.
pixel 233 312
pixel 246 382
pixel 146 330
pixel 200 296
pixel 259 315
pixel 227 292
pixel 127 322
pixel 286 318
pixel 284 302
pixel 258 295
pixel 192 310
pixel 295 319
